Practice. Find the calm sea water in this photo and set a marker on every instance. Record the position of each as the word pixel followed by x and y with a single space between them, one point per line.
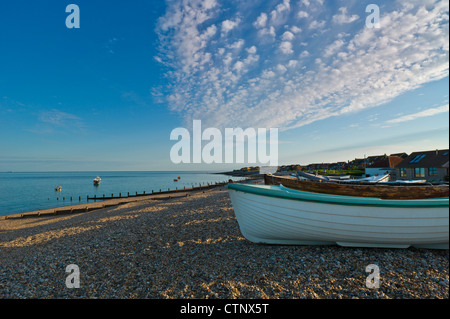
pixel 22 192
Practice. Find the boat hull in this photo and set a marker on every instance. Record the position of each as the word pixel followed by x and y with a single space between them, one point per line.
pixel 271 220
pixel 379 191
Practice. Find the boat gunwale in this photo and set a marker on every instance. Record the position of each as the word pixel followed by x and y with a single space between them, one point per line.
pixel 415 203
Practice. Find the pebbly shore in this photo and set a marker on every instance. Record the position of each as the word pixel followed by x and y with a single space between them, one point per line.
pixel 191 247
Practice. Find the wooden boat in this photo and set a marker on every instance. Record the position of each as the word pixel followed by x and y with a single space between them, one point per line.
pixel 58 188
pixel 97 180
pixel 383 191
pixel 278 215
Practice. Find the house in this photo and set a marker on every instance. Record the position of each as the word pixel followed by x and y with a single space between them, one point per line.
pixel 358 163
pixel 430 165
pixel 289 168
pixel 402 155
pixel 383 165
pixel 372 159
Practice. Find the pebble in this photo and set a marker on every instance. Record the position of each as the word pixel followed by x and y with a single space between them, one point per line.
pixel 191 247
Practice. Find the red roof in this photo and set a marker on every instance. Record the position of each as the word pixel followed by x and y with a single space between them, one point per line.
pixel 387 162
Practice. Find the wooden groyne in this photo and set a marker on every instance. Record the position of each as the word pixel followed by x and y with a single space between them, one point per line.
pixel 153 192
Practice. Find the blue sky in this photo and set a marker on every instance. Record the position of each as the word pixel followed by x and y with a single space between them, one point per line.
pixel 107 95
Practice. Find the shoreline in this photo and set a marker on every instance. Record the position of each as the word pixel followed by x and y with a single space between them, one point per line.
pixel 191 248
pixel 100 203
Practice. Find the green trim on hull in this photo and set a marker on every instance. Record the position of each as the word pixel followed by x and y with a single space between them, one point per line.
pixel 286 193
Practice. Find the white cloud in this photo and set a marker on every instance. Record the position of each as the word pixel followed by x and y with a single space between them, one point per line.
pixel 316 24
pixel 424 113
pixel 267 31
pixel 251 50
pixel 304 54
pixel 333 48
pixel 296 29
pixel 287 36
pixel 277 15
pixel 284 85
pixel 292 63
pixel 237 45
pixel 261 21
pixel 343 17
pixel 57 117
pixel 281 68
pixel 229 25
pixel 286 47
pixel 302 14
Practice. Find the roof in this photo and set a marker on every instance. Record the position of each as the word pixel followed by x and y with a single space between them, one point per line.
pixel 375 158
pixel 436 158
pixel 387 162
pixel 402 155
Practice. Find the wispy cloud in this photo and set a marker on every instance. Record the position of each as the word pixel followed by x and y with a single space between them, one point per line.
pixel 328 68
pixel 424 113
pixel 52 120
pixel 57 117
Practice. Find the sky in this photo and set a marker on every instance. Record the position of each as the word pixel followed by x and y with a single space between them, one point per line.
pixel 107 95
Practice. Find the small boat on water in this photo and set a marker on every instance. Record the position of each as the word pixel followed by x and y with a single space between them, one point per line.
pixel 58 188
pixel 97 180
pixel 175 180
pixel 278 215
pixel 387 190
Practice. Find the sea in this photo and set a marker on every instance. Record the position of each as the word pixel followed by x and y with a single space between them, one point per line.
pixel 24 192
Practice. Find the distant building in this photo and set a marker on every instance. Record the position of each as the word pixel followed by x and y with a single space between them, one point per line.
pixel 369 161
pixel 383 165
pixel 402 155
pixel 358 163
pixel 429 165
pixel 288 168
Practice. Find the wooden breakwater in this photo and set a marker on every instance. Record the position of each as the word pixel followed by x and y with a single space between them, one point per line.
pixel 160 192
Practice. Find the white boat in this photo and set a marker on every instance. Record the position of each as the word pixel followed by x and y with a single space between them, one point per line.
pixel 411 181
pixel 345 179
pixel 370 179
pixel 97 180
pixel 58 188
pixel 278 215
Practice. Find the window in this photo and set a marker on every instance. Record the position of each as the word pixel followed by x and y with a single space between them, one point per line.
pixel 402 172
pixel 414 159
pixel 419 172
pixel 432 171
pixel 418 158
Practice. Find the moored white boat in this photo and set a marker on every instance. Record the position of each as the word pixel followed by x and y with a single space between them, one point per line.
pixel 278 215
pixel 97 180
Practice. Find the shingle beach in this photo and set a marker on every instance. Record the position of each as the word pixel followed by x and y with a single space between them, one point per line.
pixel 191 247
